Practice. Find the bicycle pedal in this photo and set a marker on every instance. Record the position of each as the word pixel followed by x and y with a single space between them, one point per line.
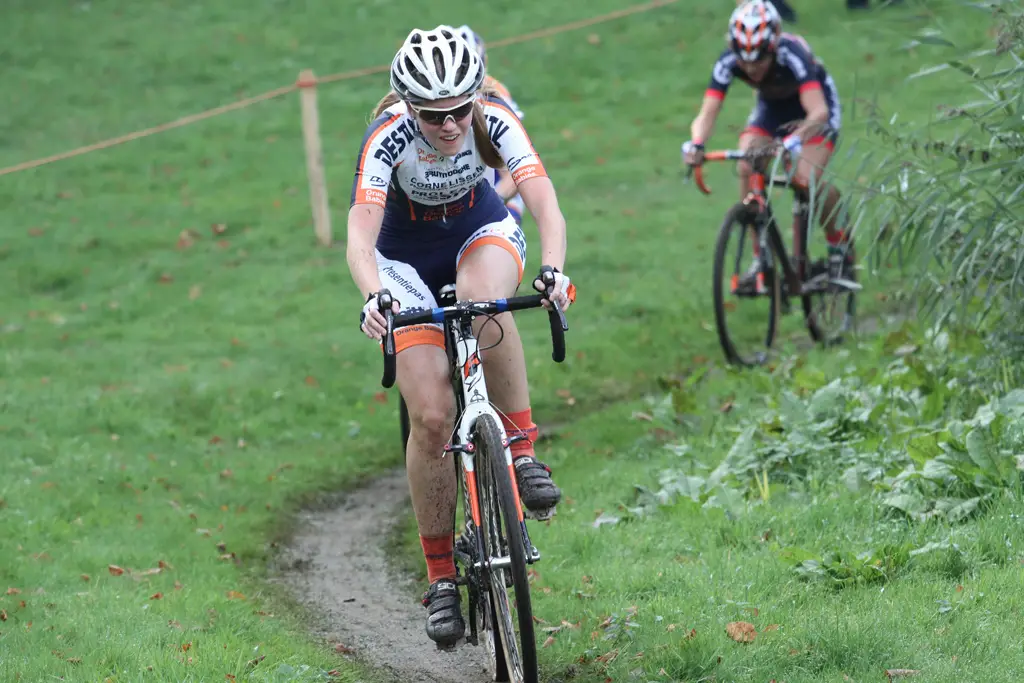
pixel 540 515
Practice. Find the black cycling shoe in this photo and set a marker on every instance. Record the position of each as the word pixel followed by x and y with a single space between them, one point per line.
pixel 536 490
pixel 445 625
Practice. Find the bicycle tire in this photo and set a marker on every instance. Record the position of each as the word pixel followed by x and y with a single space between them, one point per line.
pixel 818 335
pixel 734 219
pixel 503 505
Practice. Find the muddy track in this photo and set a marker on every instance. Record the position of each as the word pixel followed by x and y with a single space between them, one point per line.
pixel 336 567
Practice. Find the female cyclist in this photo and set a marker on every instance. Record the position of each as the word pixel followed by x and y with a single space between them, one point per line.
pixel 423 216
pixel 791 85
pixel 500 178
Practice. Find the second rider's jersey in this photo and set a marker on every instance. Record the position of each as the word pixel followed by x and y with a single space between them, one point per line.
pixel 422 190
pixel 794 70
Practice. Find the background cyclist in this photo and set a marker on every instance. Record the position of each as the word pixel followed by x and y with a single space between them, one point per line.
pixel 500 178
pixel 424 216
pixel 791 85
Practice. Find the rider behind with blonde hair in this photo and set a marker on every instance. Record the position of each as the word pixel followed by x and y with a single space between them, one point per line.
pixel 423 216
pixel 500 179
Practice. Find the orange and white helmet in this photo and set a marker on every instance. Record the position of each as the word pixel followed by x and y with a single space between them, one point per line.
pixel 754 29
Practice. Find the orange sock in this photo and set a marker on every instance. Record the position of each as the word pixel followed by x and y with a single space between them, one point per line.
pixel 439 554
pixel 521 423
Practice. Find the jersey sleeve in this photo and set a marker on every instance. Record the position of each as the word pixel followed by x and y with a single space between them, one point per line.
pixel 721 75
pixel 376 161
pixel 508 136
pixel 796 56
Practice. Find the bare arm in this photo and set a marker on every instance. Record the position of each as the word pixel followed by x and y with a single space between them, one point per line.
pixel 364 221
pixel 704 124
pixel 506 187
pixel 813 102
pixel 539 196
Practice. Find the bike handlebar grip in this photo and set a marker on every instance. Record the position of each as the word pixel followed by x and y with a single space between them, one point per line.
pixel 698 178
pixel 555 317
pixel 558 328
pixel 384 304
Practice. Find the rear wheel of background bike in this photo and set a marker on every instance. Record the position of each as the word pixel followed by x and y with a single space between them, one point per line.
pixel 403 422
pixel 829 310
pixel 746 322
pixel 499 510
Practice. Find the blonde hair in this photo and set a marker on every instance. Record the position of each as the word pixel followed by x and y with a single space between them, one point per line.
pixel 488 152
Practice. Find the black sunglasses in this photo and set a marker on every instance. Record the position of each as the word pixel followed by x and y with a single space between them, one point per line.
pixel 438 117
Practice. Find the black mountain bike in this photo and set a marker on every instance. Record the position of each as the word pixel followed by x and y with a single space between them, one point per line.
pixel 494 549
pixel 826 289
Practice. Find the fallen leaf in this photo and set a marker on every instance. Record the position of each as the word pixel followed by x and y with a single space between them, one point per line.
pixel 156 596
pixel 343 649
pixel 691 635
pixel 115 570
pixel 194 291
pixel 164 565
pixel 770 627
pixel 35 232
pixel 311 381
pixel 74 660
pixel 741 631
pixel 725 408
pixel 3 615
pixel 218 228
pixel 548 641
pixel 166 278
pixel 235 595
pixel 897 673
pixel 334 673
pixel 594 39
pixel 185 646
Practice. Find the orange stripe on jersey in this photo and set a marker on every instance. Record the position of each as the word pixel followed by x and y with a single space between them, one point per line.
pixel 810 85
pixel 371 195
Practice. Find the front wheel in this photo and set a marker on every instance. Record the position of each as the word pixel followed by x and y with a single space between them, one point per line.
pixel 742 296
pixel 515 648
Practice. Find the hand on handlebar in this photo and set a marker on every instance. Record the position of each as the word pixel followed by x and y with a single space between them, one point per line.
pixel 371 319
pixel 693 153
pixel 556 286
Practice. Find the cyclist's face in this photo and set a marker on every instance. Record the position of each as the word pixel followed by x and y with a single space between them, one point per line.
pixel 445 123
pixel 756 71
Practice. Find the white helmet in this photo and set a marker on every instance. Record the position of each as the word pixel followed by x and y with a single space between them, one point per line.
pixel 754 29
pixel 474 40
pixel 435 64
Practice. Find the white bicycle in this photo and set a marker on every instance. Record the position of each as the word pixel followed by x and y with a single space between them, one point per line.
pixel 494 549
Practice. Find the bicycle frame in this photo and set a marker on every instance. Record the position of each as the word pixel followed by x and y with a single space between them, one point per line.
pixel 471 402
pixel 766 227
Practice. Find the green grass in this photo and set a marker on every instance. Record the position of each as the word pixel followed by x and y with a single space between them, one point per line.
pixel 164 396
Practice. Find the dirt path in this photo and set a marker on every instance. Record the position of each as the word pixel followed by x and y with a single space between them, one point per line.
pixel 338 569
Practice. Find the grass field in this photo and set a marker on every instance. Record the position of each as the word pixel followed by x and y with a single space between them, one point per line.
pixel 182 369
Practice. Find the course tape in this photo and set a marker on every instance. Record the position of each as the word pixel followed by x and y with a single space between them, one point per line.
pixel 343 76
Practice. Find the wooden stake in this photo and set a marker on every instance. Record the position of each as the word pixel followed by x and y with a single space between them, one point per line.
pixel 314 157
